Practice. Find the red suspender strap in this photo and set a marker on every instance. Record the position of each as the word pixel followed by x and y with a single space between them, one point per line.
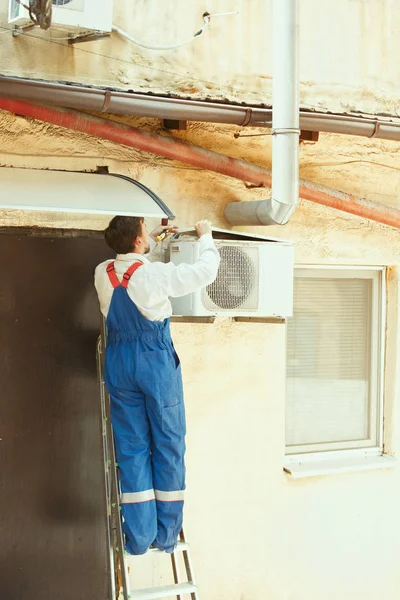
pixel 129 273
pixel 112 275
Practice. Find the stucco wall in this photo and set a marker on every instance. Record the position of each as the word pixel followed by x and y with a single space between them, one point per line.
pixel 254 532
pixel 348 52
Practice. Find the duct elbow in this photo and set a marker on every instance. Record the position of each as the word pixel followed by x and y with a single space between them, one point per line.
pixel 259 213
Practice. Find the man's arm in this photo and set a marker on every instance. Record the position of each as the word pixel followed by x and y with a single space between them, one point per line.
pixel 184 278
pixel 153 241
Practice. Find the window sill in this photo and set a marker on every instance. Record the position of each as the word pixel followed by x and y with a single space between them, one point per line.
pixel 315 468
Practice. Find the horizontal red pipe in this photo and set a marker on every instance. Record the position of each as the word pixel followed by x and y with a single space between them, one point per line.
pixel 174 149
pixel 361 207
pixel 126 135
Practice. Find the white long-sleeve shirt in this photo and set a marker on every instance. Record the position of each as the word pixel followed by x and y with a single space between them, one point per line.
pixel 151 286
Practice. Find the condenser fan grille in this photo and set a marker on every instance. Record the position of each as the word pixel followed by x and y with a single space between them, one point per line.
pixel 71 4
pixel 236 286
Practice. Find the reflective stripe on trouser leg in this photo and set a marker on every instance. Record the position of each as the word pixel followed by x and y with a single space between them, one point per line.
pixel 137 497
pixel 172 496
pixel 168 450
pixel 132 445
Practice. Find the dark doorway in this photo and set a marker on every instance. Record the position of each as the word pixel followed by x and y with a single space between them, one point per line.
pixel 53 518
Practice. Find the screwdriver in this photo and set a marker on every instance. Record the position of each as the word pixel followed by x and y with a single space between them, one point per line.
pixel 162 235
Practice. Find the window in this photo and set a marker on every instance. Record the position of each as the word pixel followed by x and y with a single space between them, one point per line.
pixel 335 360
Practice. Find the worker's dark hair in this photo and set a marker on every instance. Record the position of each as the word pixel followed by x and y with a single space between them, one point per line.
pixel 122 232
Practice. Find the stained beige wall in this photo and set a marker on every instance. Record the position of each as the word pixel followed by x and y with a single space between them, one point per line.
pixel 256 534
pixel 348 52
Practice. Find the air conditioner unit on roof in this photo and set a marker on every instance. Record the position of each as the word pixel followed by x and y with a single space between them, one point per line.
pixel 255 277
pixel 86 15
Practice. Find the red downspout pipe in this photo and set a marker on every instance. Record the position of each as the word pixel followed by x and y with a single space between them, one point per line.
pixel 174 149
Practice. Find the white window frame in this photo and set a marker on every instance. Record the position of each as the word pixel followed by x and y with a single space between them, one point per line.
pixel 373 445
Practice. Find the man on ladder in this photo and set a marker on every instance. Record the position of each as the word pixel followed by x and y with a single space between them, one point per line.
pixel 143 376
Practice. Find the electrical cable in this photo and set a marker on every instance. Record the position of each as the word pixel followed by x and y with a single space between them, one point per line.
pixel 95 157
pixel 206 18
pixel 76 48
pixel 40 12
pixel 349 162
pixel 128 62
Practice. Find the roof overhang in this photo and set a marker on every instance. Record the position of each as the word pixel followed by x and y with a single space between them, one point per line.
pixel 76 192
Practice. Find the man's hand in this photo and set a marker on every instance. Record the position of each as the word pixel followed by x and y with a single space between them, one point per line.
pixel 170 229
pixel 203 227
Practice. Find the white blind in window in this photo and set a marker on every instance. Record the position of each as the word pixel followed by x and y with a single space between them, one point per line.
pixel 329 361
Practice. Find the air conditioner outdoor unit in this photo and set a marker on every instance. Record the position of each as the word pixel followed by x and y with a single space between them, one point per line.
pixel 255 278
pixel 93 15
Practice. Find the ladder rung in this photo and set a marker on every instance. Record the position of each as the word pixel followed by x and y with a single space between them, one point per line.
pixel 167 591
pixel 179 548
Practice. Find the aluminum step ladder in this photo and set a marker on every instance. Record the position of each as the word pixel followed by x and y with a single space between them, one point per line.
pixel 179 588
pixel 120 587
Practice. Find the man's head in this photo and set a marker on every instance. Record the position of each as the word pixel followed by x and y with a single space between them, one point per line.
pixel 127 234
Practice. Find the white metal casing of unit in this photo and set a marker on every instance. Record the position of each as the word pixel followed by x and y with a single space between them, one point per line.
pixel 79 14
pixel 255 279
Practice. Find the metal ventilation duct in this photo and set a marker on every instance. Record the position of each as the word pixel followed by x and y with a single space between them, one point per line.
pixel 89 193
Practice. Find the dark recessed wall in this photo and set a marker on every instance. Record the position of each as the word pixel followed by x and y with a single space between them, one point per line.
pixel 53 521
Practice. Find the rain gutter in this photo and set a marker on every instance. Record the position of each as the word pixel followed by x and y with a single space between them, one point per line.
pixel 147 105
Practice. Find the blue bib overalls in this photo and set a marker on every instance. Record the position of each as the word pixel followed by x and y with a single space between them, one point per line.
pixel 143 379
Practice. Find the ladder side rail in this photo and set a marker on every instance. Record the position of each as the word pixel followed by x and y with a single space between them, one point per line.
pixel 111 464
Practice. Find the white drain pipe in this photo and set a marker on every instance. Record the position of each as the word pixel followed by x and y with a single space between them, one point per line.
pixel 278 209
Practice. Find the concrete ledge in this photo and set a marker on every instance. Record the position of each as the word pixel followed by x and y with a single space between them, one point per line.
pixel 314 468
